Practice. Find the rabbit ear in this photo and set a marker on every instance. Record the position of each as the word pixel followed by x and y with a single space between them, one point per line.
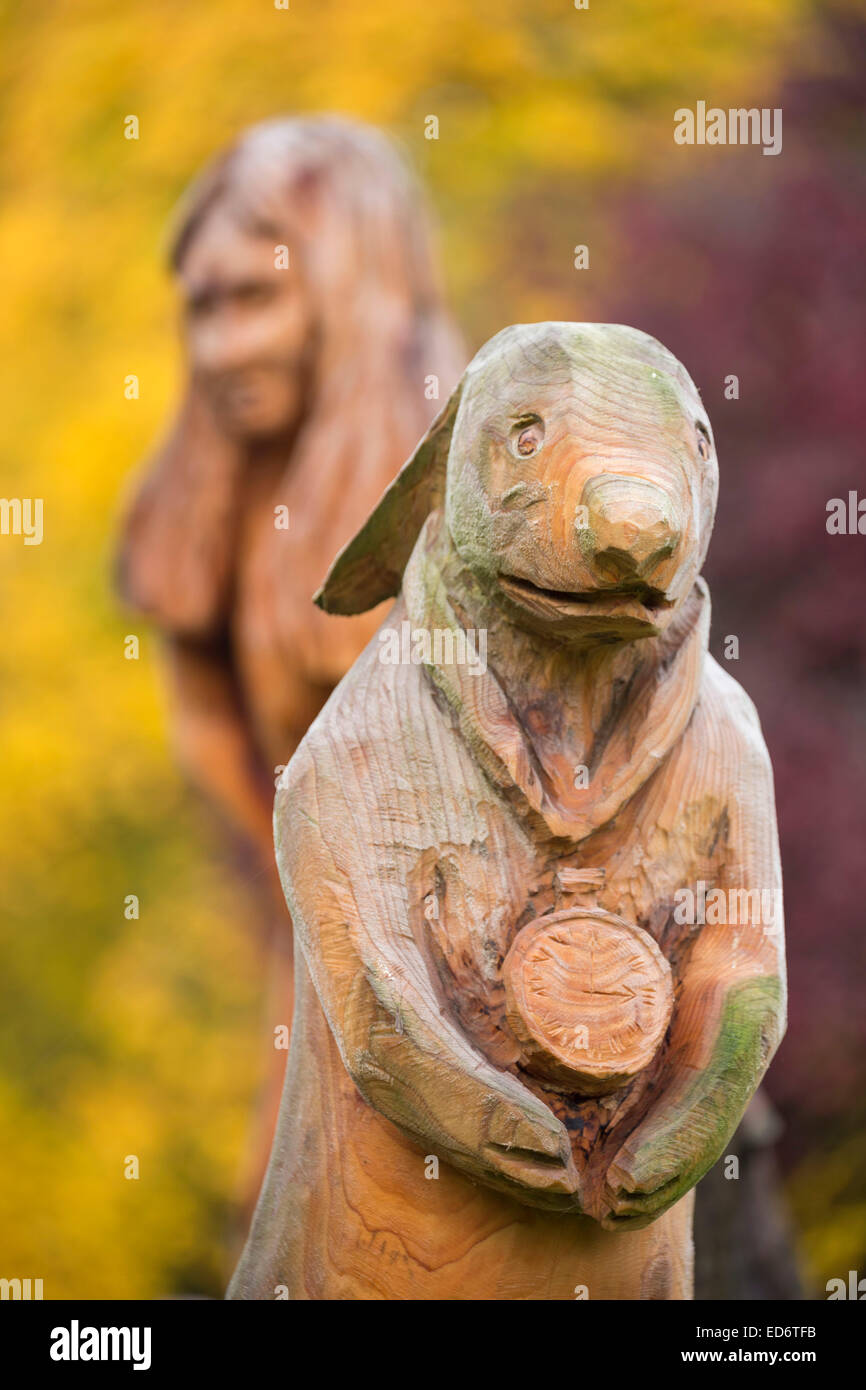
pixel 370 567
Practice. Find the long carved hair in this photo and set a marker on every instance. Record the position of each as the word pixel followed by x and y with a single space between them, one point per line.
pixel 340 197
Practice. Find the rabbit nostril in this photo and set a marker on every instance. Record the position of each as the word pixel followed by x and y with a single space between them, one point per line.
pixel 615 564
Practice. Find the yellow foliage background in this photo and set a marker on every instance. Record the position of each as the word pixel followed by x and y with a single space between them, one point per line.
pixel 145 1037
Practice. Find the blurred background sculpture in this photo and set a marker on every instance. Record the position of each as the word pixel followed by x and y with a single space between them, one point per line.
pixel 317 344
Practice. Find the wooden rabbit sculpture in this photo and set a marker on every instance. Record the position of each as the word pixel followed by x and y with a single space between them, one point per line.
pixel 529 847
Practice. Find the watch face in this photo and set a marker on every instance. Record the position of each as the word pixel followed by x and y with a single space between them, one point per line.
pixel 589 997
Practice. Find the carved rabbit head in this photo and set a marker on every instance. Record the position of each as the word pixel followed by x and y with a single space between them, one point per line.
pixel 577 472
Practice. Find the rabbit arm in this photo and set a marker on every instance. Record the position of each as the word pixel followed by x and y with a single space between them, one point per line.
pixel 406 1056
pixel 731 1009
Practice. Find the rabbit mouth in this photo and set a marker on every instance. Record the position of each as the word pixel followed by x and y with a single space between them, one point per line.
pixel 625 597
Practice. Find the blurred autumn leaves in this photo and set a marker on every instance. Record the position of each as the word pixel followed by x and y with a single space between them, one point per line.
pixel 147 1036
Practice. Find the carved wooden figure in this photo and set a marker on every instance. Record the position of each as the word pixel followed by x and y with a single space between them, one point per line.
pixel 530 851
pixel 316 335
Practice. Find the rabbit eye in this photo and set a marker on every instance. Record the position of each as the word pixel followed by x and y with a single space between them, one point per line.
pixel 703 443
pixel 527 437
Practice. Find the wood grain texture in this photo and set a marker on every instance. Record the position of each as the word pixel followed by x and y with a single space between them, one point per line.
pixel 589 998
pixel 349 1212
pixel 596 761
